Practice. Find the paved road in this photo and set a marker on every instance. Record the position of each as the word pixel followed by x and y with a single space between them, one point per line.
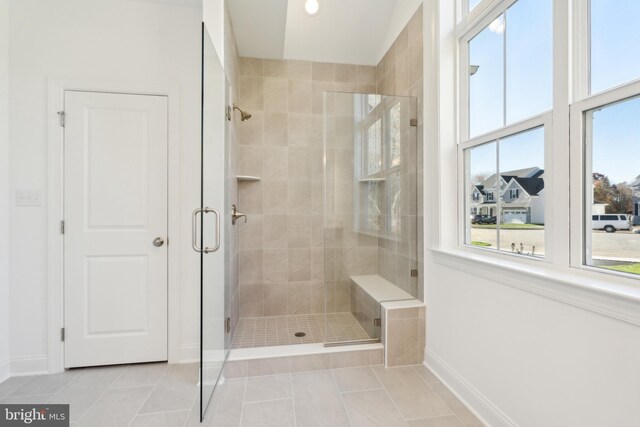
pixel 622 245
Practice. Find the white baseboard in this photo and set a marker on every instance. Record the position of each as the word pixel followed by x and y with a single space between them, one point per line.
pixel 477 403
pixel 5 371
pixel 189 353
pixel 29 365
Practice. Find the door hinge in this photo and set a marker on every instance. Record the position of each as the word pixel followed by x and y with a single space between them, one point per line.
pixel 227 325
pixel 62 334
pixel 62 227
pixel 61 114
pixel 412 122
pixel 414 273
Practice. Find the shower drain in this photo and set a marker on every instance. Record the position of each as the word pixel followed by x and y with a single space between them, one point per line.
pixel 300 334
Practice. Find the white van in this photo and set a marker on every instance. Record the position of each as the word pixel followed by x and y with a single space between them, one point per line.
pixel 610 222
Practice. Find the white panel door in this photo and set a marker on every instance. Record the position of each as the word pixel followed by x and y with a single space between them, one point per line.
pixel 115 205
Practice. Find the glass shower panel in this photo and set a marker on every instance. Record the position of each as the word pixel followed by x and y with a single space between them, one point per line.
pixel 370 210
pixel 213 220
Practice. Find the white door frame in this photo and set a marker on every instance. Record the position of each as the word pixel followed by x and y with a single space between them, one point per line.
pixel 55 280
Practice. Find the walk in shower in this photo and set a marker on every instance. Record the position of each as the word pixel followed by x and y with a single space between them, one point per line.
pixel 331 230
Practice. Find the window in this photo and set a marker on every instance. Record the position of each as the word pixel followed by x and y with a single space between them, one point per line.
pixel 605 133
pixel 611 138
pixel 382 177
pixel 507 69
pixel 614 35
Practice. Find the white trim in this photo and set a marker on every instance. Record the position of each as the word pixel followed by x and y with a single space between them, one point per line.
pixel 29 365
pixel 480 405
pixel 55 285
pixel 581 170
pixel 5 371
pixel 189 353
pixel 611 296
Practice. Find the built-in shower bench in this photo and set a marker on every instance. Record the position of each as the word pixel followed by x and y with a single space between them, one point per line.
pixel 387 312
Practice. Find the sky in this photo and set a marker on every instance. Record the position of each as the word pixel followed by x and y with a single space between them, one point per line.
pixel 524 35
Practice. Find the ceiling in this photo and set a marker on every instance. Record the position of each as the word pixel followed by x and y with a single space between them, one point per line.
pixel 343 31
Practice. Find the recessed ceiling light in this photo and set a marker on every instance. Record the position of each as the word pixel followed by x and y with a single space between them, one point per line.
pixel 311 7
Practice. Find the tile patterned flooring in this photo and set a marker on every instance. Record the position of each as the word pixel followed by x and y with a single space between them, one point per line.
pixel 280 330
pixel 161 395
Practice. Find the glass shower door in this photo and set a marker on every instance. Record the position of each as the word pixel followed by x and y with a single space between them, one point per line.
pixel 370 145
pixel 212 218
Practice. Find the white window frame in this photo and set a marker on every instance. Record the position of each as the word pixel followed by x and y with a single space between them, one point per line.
pixel 469 27
pixel 544 121
pixel 557 279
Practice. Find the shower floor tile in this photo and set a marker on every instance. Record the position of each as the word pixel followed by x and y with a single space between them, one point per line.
pixel 280 330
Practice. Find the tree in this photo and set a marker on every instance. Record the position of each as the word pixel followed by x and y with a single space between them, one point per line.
pixel 618 197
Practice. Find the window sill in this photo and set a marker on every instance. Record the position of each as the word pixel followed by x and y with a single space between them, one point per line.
pixel 608 295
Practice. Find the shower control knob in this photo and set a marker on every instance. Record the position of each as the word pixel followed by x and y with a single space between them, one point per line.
pixel 158 241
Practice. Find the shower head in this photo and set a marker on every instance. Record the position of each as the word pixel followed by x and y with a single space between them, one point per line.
pixel 244 116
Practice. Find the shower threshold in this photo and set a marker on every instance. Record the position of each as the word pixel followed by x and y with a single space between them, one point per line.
pixel 356 342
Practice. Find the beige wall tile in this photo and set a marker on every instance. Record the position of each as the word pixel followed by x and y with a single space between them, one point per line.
pixel 366 75
pixel 250 197
pixel 312 362
pixel 272 366
pixel 323 71
pixel 298 298
pixel 275 68
pixel 275 198
pixel 300 96
pixel 299 163
pixel 250 67
pixel 251 300
pixel 251 132
pixel 250 233
pixel 318 89
pixel 299 70
pixel 350 359
pixel 318 297
pixel 275 95
pixel 299 265
pixel 251 96
pixel 345 73
pixel 299 197
pixel 275 166
pixel 251 262
pixel 250 160
pixel 276 129
pixel 299 231
pixel 317 264
pixel 275 232
pixel 275 299
pixel 275 266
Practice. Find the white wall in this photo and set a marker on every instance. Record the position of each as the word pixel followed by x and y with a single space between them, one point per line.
pixel 103 40
pixel 213 16
pixel 4 189
pixel 517 357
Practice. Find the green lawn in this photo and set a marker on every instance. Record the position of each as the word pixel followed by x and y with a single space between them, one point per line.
pixel 625 268
pixel 511 226
pixel 483 244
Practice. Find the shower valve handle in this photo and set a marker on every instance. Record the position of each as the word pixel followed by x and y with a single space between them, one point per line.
pixel 235 215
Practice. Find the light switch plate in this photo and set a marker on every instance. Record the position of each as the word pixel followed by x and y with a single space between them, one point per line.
pixel 28 198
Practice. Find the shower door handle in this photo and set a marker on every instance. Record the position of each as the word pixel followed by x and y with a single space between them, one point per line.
pixel 194 230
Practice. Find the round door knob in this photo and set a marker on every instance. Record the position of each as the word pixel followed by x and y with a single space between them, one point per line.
pixel 158 241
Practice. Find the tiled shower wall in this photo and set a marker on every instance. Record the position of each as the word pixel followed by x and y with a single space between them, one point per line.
pixel 282 268
pixel 282 260
pixel 400 73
